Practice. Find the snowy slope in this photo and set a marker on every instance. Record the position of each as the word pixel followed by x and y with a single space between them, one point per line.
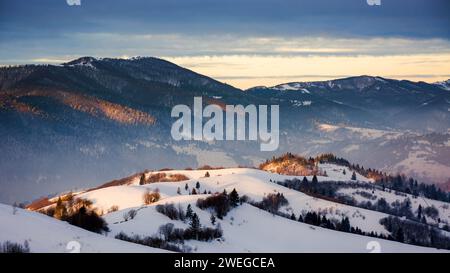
pixel 45 234
pixel 251 182
pixel 442 207
pixel 249 229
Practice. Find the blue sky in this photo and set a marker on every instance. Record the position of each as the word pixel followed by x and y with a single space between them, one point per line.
pixel 225 38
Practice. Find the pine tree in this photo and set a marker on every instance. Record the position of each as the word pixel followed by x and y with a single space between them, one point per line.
pixel 419 212
pixel 213 219
pixel 194 191
pixel 189 212
pixel 314 180
pixel 234 198
pixel 142 179
pixel 345 225
pixel 178 190
pixel 300 218
pixel 207 174
pixel 344 172
pixel 293 216
pixel 186 187
pixel 353 176
pixel 197 185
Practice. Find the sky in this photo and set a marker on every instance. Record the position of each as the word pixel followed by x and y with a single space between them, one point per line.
pixel 241 42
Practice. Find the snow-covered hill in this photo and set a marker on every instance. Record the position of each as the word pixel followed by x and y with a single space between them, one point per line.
pixel 246 228
pixel 46 234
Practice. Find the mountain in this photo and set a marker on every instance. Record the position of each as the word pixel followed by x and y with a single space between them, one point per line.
pixel 391 103
pixel 74 125
pixel 245 226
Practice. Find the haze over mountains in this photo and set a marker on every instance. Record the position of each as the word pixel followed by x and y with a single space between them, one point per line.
pixel 91 120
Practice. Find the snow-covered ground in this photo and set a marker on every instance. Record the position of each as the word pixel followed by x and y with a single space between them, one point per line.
pixel 442 207
pixel 249 229
pixel 245 228
pixel 46 234
pixel 255 184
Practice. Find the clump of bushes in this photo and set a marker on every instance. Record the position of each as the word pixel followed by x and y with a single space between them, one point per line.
pixel 129 215
pixel 170 236
pixel 171 211
pixel 272 202
pixel 10 247
pixel 151 197
pixel 222 203
pixel 151 241
pixel 113 208
pixel 162 177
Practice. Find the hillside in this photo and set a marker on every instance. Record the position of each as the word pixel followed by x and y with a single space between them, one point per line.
pixel 45 234
pixel 248 227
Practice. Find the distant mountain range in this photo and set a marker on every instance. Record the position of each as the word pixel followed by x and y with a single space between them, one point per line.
pixel 92 120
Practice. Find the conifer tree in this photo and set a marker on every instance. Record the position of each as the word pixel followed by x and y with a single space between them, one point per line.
pixel 234 198
pixel 142 179
pixel 195 223
pixel 189 212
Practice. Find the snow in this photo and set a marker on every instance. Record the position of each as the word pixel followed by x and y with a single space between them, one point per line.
pixel 292 87
pixel 364 133
pixel 442 207
pixel 246 228
pixel 121 196
pixel 46 234
pixel 253 183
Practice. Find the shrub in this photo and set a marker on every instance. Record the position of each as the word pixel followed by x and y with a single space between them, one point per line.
pixel 431 212
pixel 129 215
pixel 149 241
pixel 113 208
pixel 272 202
pixel 170 211
pixel 163 177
